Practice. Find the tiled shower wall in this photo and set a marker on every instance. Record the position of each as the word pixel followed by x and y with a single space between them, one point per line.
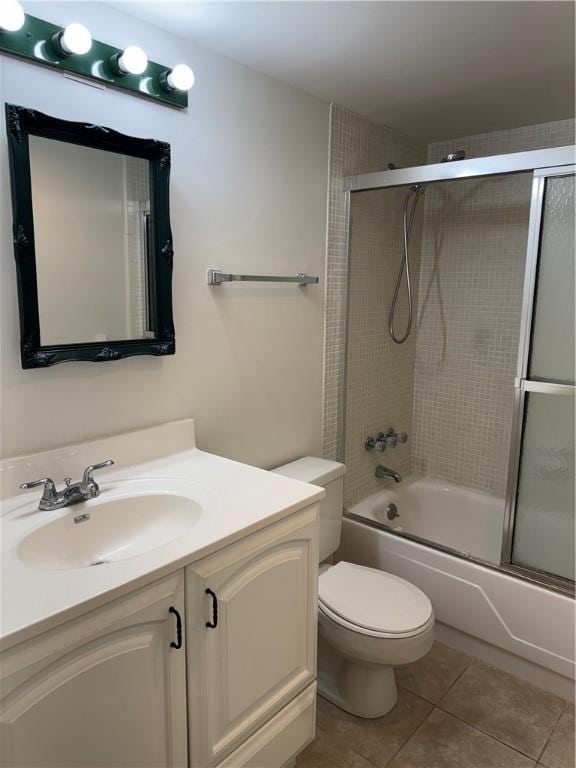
pixel 137 201
pixel 380 374
pixel 471 281
pixel 556 134
pixel 358 146
pixel 457 369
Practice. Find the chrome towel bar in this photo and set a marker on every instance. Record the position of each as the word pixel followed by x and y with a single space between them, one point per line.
pixel 217 277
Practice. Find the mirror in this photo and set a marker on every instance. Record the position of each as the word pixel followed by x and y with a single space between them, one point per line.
pixel 92 241
pixel 91 224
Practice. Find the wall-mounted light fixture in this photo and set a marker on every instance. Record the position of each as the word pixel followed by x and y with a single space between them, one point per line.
pixel 181 78
pixel 11 16
pixel 72 49
pixel 132 61
pixel 74 38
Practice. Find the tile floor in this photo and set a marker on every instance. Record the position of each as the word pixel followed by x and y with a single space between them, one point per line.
pixel 453 711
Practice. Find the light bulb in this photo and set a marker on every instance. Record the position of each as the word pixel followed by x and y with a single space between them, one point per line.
pixel 181 78
pixel 12 16
pixel 132 61
pixel 75 39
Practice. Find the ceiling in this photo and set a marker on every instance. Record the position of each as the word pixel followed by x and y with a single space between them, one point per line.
pixel 433 70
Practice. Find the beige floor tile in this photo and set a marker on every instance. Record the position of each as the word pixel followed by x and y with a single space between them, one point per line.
pixel 379 739
pixel 442 741
pixel 511 710
pixel 433 675
pixel 559 752
pixel 326 751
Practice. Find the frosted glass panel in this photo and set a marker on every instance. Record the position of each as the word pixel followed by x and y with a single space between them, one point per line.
pixel 544 529
pixel 553 328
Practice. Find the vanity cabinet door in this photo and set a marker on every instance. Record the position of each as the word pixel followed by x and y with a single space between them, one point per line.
pixel 105 690
pixel 260 593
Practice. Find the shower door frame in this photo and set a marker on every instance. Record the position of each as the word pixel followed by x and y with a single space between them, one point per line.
pixel 523 383
pixel 542 163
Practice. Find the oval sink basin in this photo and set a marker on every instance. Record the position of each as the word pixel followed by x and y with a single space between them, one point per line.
pixel 113 527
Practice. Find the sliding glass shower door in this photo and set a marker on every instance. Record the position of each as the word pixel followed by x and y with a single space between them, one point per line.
pixel 539 531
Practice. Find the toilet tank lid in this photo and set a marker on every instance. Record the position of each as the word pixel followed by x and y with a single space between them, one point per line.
pixel 310 469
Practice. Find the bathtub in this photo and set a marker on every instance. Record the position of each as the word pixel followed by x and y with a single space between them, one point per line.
pixel 468 521
pixel 509 622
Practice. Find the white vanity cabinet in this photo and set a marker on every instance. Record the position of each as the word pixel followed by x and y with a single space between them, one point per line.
pixel 251 629
pixel 106 689
pixel 117 687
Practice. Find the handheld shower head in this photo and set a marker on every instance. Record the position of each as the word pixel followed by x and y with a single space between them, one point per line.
pixel 410 206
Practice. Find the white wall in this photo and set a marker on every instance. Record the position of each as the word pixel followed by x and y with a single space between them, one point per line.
pixel 248 193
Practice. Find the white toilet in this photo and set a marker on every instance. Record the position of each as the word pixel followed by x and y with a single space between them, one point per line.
pixel 369 621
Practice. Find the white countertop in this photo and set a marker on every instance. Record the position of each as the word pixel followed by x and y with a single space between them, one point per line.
pixel 237 499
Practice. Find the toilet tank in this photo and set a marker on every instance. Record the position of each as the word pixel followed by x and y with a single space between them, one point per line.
pixel 329 475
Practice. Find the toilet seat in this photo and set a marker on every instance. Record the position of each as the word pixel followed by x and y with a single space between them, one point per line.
pixel 372 602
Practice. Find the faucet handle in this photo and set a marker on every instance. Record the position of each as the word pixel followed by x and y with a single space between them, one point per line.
pixel 378 442
pixel 49 487
pixel 87 477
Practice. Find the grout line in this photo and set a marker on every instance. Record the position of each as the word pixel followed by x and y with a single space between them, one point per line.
pixel 550 734
pixel 360 755
pixel 414 732
pixel 447 691
pixel 492 736
pixel 339 738
pixel 438 705
pixel 475 728
pixel 414 693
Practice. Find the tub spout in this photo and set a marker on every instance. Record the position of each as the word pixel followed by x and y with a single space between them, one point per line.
pixel 384 473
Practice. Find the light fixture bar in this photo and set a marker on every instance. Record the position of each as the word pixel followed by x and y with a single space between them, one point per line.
pixel 33 42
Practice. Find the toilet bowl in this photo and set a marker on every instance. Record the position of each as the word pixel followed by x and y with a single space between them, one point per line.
pixel 369 621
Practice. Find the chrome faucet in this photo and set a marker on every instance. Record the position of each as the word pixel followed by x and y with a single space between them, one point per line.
pixel 378 442
pixel 87 488
pixel 389 438
pixel 384 473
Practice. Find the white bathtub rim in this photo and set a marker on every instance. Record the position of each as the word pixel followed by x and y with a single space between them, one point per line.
pixel 454 489
pixel 531 577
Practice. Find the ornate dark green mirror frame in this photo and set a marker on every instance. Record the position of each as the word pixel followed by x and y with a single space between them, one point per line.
pixel 21 123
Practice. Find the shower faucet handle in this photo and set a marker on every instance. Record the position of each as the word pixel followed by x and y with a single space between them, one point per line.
pixel 377 443
pixel 389 438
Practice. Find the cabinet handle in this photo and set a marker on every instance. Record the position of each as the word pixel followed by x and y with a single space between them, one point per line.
pixel 214 623
pixel 178 643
